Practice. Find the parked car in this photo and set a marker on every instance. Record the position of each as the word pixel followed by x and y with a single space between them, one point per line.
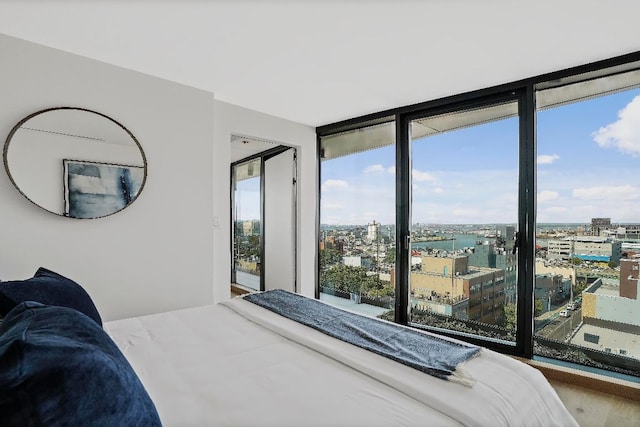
pixel 572 306
pixel 564 313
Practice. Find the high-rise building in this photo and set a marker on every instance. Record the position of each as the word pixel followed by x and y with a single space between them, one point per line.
pixel 372 231
pixel 599 224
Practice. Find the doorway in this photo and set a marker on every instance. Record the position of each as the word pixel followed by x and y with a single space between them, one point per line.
pixel 264 195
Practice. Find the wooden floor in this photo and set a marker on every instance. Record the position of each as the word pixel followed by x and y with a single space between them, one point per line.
pixel 591 408
pixel 235 291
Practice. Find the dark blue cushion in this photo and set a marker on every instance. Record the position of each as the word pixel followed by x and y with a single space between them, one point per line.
pixel 49 288
pixel 59 368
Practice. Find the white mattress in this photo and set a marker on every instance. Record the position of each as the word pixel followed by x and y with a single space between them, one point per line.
pixel 237 364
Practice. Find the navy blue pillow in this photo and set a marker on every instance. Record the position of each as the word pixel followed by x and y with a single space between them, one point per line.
pixel 59 368
pixel 49 288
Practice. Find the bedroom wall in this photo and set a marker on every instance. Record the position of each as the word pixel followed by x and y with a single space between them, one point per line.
pixel 158 253
pixel 234 120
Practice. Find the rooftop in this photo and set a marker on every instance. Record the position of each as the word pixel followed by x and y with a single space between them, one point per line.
pixel 600 338
pixel 604 286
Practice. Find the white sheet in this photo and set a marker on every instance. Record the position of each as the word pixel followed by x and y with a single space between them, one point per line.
pixel 238 364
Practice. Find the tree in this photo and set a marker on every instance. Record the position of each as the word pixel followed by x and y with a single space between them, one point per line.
pixel 538 307
pixel 581 285
pixel 510 315
pixel 390 257
pixel 371 285
pixel 329 257
pixel 346 278
pixel 253 246
pixel 575 261
pixel 612 264
pixel 249 247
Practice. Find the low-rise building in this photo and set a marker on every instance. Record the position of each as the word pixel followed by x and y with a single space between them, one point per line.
pixel 500 256
pixel 449 285
pixel 611 313
pixel 587 248
pixel 551 289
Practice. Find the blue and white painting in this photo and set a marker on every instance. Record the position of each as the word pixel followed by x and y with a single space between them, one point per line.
pixel 94 190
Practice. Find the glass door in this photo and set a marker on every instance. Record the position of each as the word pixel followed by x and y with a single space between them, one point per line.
pixel 464 218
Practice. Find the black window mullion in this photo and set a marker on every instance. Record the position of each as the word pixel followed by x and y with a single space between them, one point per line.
pixel 403 220
pixel 262 227
pixel 526 224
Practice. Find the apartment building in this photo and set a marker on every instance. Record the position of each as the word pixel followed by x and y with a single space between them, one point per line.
pixel 450 285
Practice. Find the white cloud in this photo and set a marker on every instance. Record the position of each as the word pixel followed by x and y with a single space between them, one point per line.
pixel 420 176
pixel 334 206
pixel 547 159
pixel 547 196
pixel 334 183
pixel 374 169
pixel 623 134
pixel 420 191
pixel 391 170
pixel 609 193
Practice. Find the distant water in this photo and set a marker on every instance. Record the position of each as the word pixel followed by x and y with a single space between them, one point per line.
pixel 460 241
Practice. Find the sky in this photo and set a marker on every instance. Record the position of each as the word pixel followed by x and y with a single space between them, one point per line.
pixel 588 155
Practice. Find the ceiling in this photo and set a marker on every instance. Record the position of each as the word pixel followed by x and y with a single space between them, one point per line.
pixel 320 61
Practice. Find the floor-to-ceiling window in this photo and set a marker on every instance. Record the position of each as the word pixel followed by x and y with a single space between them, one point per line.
pixel 587 307
pixel 517 218
pixel 357 219
pixel 464 216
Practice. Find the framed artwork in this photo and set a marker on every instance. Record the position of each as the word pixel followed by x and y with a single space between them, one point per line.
pixel 94 190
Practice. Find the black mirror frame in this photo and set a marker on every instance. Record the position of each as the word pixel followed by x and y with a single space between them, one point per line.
pixel 30 116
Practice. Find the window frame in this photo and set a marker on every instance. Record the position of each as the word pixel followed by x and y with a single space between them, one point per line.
pixel 523 345
pixel 525 92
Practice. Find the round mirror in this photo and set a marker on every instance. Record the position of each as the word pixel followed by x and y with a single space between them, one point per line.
pixel 75 162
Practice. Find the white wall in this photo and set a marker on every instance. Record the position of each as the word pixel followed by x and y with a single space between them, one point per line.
pixel 158 253
pixel 234 120
pixel 170 247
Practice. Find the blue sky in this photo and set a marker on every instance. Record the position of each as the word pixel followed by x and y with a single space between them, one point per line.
pixel 588 155
pixel 247 199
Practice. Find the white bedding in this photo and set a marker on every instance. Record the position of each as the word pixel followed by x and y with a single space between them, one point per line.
pixel 237 364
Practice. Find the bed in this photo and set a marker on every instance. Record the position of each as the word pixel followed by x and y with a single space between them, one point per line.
pixel 237 363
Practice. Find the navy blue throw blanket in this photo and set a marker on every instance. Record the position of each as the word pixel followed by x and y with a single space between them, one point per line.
pixel 432 355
